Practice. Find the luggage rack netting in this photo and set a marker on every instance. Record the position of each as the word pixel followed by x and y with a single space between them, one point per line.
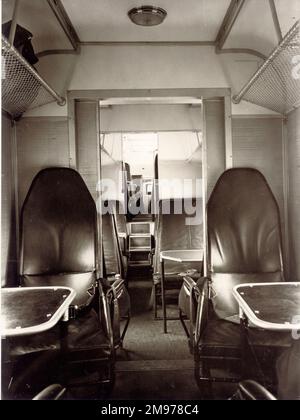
pixel 22 87
pixel 276 84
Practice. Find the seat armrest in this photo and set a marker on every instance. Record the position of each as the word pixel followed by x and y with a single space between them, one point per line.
pixel 119 304
pixel 52 392
pixel 104 309
pixel 189 284
pixel 192 295
pixel 251 390
pixel 202 295
pixel 156 278
pixel 123 243
pixel 117 285
pixel 199 286
pixel 105 284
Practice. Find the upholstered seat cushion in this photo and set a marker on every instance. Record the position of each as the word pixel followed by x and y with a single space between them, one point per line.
pixel 225 304
pixel 222 337
pixel 82 283
pixel 83 333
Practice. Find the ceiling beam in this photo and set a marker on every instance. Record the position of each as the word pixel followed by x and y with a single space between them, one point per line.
pixel 151 43
pixel 276 20
pixel 150 100
pixel 228 22
pixel 241 51
pixel 64 21
pixel 154 44
pixel 44 53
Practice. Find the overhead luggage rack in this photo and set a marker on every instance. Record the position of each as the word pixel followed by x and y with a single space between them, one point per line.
pixel 22 87
pixel 276 84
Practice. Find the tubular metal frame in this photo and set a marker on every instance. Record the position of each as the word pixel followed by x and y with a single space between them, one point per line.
pixel 8 47
pixel 282 45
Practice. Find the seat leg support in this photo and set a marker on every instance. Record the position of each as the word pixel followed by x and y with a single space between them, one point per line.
pixel 163 297
pixel 183 324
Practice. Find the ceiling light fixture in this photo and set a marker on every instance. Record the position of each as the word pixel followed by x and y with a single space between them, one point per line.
pixel 147 15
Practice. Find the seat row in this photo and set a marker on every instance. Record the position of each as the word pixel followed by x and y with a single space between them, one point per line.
pixel 61 247
pixel 243 245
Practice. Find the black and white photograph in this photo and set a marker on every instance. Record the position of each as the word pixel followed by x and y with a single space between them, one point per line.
pixel 150 203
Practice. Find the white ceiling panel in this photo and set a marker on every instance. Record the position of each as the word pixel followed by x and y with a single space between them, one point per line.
pixel 7 10
pixel 255 29
pixel 107 20
pixel 39 19
pixel 187 20
pixel 288 13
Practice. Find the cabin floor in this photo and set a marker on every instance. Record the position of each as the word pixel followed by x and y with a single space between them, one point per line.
pixel 154 365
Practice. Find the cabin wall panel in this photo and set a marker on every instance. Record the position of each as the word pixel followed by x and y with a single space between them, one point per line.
pixel 147 67
pixel 86 143
pixel 8 221
pixel 215 141
pixel 293 152
pixel 41 143
pixel 257 143
pixel 150 118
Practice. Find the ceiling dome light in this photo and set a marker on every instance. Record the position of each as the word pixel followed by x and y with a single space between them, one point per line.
pixel 147 15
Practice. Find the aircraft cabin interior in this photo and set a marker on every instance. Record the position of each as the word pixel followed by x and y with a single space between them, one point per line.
pixel 150 225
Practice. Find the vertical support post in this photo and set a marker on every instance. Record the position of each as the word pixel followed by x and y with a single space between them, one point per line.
pixel 154 291
pixel 72 133
pixel 276 20
pixel 228 132
pixel 244 325
pixel 13 26
pixel 231 16
pixel 285 166
pixel 204 188
pixel 14 154
pixel 100 268
pixel 163 295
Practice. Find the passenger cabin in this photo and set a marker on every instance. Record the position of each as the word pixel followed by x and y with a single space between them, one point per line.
pixel 150 200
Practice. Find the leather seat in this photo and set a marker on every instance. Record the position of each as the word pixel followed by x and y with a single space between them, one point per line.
pixel 221 335
pixel 59 248
pixel 82 333
pixel 172 232
pixel 288 373
pixel 244 246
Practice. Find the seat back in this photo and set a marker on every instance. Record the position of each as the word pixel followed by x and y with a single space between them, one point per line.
pixel 58 233
pixel 173 232
pixel 244 236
